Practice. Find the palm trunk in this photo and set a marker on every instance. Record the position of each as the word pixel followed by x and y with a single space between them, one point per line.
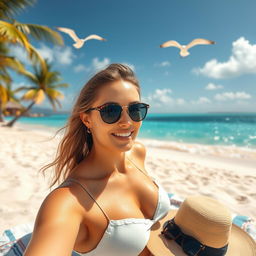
pixel 1 112
pixel 10 124
pixel 1 116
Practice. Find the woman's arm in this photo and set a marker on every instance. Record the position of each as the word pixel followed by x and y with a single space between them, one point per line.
pixel 56 227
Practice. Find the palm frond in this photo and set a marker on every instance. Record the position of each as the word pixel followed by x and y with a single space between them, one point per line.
pixel 30 94
pixel 36 95
pixel 11 62
pixel 31 77
pixel 3 94
pixel 11 34
pixel 53 77
pixel 9 8
pixel 58 102
pixel 63 85
pixel 4 76
pixel 40 32
pixel 54 94
pixel 3 47
pixel 23 88
pixel 40 97
pixel 52 102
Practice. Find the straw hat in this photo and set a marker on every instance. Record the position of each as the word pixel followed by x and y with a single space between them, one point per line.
pixel 209 222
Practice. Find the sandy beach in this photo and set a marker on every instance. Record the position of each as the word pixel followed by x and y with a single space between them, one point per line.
pixel 223 172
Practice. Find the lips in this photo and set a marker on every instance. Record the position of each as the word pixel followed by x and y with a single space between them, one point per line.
pixel 122 134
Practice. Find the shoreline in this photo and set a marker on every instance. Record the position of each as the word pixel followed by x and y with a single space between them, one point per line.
pixel 223 172
pixel 226 151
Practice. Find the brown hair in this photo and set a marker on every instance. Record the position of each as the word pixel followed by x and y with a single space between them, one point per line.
pixel 77 143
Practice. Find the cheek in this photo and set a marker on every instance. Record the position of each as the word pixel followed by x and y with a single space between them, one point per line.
pixel 137 126
pixel 99 127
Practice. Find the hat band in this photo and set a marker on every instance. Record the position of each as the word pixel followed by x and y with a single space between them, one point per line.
pixel 189 244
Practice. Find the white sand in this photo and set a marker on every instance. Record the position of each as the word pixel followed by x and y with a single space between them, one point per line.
pixel 225 173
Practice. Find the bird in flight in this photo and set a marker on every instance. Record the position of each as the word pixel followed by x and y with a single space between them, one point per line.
pixel 184 48
pixel 78 41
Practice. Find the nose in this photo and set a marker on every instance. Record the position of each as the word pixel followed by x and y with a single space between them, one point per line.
pixel 125 119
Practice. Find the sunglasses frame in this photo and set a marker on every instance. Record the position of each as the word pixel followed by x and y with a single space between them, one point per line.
pixel 99 108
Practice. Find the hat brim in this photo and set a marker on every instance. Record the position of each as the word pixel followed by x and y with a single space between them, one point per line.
pixel 240 243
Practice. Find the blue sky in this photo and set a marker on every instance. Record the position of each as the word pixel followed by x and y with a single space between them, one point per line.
pixel 213 78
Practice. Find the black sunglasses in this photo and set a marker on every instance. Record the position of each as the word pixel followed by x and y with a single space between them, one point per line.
pixel 111 112
pixel 189 244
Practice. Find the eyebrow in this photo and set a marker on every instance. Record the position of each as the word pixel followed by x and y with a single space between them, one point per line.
pixel 113 102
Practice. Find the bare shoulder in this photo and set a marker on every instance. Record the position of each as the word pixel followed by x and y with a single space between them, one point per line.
pixel 61 201
pixel 138 155
pixel 54 225
pixel 139 151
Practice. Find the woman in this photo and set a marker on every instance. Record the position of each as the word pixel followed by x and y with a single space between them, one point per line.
pixel 107 202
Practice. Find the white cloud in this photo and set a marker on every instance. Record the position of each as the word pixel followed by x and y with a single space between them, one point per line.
pixel 242 61
pixel 232 96
pixel 57 54
pixel 20 54
pixel 131 66
pixel 180 101
pixel 160 100
pixel 163 64
pixel 212 86
pixel 99 65
pixel 64 57
pixel 81 68
pixel 163 95
pixel 201 100
pixel 60 55
pixel 46 52
pixel 159 97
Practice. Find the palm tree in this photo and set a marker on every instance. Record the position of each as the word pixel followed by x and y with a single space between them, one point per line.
pixel 44 84
pixel 14 32
pixel 17 33
pixel 5 79
pixel 8 8
pixel 9 95
pixel 3 100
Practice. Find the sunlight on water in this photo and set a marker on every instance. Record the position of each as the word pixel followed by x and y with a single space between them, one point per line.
pixel 213 129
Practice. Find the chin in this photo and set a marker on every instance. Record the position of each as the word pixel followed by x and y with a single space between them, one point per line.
pixel 124 147
pixel 127 147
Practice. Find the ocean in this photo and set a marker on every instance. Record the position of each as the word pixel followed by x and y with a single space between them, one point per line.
pixel 236 129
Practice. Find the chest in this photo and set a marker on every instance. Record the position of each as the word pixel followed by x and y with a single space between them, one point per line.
pixel 116 203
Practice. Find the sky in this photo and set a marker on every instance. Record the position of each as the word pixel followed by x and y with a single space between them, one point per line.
pixel 213 78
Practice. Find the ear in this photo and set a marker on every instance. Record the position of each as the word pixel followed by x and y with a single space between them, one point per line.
pixel 85 118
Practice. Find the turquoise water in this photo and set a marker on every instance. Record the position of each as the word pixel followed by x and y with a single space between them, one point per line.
pixel 212 129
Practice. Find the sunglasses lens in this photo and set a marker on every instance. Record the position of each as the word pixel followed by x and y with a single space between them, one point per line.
pixel 138 111
pixel 110 113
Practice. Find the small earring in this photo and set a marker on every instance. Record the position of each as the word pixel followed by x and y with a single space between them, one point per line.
pixel 88 130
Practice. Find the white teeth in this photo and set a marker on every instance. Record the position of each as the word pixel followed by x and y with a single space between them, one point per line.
pixel 123 134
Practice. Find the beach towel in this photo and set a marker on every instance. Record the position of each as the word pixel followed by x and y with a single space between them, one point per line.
pixel 13 241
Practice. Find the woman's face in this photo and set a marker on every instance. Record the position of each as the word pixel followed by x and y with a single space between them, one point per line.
pixel 109 136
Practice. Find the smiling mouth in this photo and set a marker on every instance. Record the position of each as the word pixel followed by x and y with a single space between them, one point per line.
pixel 122 135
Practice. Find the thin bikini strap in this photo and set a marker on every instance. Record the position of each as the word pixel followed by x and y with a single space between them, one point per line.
pixel 140 169
pixel 71 179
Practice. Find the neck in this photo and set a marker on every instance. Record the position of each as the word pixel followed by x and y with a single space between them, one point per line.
pixel 105 163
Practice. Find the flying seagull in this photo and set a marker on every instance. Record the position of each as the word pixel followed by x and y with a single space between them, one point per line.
pixel 78 41
pixel 184 48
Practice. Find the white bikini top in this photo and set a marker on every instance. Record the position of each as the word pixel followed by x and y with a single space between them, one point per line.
pixel 127 237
